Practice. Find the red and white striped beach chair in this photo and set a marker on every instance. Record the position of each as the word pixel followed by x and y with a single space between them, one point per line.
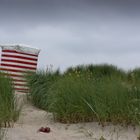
pixel 15 61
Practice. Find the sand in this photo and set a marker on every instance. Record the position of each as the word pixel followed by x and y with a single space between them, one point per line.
pixel 31 119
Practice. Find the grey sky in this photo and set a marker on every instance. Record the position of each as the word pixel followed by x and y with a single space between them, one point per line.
pixel 71 32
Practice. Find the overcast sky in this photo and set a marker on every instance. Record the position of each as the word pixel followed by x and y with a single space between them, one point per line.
pixel 71 32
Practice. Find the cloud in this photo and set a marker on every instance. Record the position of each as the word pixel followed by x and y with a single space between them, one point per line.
pixel 74 32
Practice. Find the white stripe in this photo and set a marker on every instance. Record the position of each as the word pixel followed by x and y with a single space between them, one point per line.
pixel 14 68
pixel 17 54
pixel 16 82
pixel 16 73
pixel 17 78
pixel 21 48
pixel 24 60
pixel 19 64
pixel 21 87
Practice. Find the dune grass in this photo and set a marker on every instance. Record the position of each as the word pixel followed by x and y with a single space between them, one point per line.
pixel 68 94
pixel 86 93
pixel 103 100
pixel 9 111
pixel 39 84
pixel 134 77
pixel 98 71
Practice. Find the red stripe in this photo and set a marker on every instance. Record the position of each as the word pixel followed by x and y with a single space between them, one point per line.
pixel 13 70
pixel 22 57
pixel 18 61
pixel 25 85
pixel 13 51
pixel 21 89
pixel 14 75
pixel 17 66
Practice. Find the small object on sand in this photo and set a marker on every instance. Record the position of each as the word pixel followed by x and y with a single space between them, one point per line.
pixel 44 130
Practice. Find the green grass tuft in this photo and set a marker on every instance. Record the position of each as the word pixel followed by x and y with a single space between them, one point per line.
pixel 100 93
pixel 39 83
pixel 9 111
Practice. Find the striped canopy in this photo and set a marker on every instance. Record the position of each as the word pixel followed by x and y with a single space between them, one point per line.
pixel 16 60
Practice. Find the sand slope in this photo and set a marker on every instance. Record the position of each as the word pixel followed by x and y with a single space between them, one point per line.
pixel 31 119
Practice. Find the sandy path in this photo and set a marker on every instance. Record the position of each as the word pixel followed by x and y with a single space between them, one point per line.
pixel 31 119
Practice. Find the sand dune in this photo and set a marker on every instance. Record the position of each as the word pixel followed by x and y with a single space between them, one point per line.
pixel 31 119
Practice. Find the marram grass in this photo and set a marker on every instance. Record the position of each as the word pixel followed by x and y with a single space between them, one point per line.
pixel 39 83
pixel 86 93
pixel 9 111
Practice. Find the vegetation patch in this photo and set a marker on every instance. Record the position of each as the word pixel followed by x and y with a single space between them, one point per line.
pixel 86 93
pixel 9 110
pixel 39 84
